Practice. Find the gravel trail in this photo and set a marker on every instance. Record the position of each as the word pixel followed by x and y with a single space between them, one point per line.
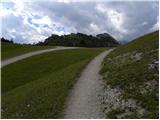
pixel 26 55
pixel 83 102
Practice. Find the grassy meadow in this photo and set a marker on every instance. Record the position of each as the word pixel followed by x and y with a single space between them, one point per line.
pixel 9 50
pixel 37 87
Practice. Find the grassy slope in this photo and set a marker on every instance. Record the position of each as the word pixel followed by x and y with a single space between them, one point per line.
pixel 131 75
pixel 37 87
pixel 10 50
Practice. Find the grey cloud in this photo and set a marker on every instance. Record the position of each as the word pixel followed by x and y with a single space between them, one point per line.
pixel 78 17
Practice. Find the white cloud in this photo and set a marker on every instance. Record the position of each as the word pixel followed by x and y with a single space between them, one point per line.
pixel 155 26
pixel 25 20
pixel 43 20
pixel 117 20
pixel 28 31
pixel 144 23
pixel 36 38
pixel 94 28
pixel 64 1
pixel 4 12
pixel 19 4
pixel 101 8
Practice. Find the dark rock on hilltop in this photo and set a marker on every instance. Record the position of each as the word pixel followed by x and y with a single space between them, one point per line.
pixel 82 40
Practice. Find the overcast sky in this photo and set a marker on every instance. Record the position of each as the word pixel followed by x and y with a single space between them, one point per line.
pixel 30 22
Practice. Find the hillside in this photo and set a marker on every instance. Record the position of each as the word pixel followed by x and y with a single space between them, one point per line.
pixel 82 40
pixel 130 74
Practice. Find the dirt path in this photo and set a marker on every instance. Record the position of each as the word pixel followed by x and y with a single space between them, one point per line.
pixel 83 101
pixel 26 55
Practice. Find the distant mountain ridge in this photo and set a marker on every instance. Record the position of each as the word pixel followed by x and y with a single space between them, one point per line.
pixel 81 40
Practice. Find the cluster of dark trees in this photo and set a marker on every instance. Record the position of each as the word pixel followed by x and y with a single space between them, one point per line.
pixel 6 40
pixel 81 40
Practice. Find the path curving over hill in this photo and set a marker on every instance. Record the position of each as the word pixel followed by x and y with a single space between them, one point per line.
pixel 26 55
pixel 83 101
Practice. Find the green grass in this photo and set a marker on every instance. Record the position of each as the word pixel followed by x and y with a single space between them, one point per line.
pixel 130 75
pixel 10 50
pixel 37 87
pixel 141 44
